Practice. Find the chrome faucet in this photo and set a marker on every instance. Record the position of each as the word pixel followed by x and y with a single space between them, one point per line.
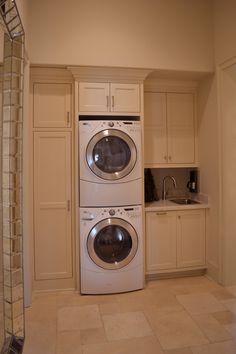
pixel 164 185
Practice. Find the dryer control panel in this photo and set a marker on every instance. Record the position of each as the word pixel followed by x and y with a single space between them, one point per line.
pixel 128 126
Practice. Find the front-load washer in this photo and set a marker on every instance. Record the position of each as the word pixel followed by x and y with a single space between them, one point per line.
pixel 111 250
pixel 110 161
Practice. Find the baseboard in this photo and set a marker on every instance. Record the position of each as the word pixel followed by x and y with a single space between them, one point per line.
pixel 176 274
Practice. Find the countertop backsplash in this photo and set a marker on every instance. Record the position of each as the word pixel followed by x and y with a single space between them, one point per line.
pixel 181 176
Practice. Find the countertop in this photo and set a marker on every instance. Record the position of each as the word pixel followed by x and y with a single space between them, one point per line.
pixel 162 205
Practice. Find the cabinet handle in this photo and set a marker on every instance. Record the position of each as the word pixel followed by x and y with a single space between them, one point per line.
pixel 68 205
pixel 169 158
pixel 112 101
pixel 68 117
pixel 165 158
pixel 107 97
pixel 161 213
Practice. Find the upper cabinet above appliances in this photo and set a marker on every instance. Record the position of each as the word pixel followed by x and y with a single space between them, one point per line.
pixel 112 91
pixel 169 129
pixel 109 97
pixel 52 105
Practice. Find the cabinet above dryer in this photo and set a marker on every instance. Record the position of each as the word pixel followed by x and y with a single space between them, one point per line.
pixel 109 97
pixel 109 90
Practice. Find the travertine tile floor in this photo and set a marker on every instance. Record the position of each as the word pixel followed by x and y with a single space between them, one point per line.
pixel 175 316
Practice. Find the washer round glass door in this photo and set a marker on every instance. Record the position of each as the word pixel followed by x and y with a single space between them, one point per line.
pixel 111 154
pixel 112 243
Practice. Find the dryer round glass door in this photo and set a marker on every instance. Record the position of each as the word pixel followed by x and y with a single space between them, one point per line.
pixel 111 154
pixel 112 243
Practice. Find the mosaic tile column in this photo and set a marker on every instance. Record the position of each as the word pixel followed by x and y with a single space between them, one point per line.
pixel 12 124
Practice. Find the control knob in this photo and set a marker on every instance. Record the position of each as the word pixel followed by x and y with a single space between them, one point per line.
pixel 112 212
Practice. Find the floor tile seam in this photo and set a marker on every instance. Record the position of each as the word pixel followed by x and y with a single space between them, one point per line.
pixel 211 344
pixel 209 340
pixel 193 346
pixel 153 331
pixel 103 323
pixel 100 311
pixel 225 327
pixel 201 313
pixel 184 309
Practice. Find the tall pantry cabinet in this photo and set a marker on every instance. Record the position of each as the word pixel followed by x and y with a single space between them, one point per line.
pixel 52 177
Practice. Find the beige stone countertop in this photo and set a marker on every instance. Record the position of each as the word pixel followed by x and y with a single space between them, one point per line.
pixel 162 205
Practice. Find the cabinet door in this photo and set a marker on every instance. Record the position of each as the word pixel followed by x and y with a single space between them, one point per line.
pixel 180 119
pixel 125 98
pixel 160 241
pixel 155 141
pixel 52 105
pixel 52 205
pixel 191 238
pixel 94 97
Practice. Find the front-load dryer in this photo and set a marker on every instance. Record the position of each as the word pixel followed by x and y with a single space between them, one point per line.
pixel 111 250
pixel 110 157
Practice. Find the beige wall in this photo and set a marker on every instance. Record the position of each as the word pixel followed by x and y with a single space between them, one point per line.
pixel 209 167
pixel 225 49
pixel 225 29
pixel 165 34
pixel 228 186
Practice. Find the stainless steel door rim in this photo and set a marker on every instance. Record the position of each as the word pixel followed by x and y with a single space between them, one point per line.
pixel 126 140
pixel 102 225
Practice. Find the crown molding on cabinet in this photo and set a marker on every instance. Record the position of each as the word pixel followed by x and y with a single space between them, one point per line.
pixel 50 74
pixel 108 74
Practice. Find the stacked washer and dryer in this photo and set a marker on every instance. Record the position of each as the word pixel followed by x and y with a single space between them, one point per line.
pixel 111 233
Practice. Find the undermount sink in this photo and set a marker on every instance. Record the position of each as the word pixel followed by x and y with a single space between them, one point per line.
pixel 184 201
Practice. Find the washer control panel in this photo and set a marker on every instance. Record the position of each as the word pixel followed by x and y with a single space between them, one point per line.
pixel 119 212
pixel 91 214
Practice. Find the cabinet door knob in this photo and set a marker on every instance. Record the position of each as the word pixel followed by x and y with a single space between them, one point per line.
pixel 113 101
pixel 165 158
pixel 170 158
pixel 68 205
pixel 161 213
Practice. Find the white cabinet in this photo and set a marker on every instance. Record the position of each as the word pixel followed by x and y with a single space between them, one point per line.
pixel 52 106
pixel 191 238
pixel 169 129
pixel 51 157
pixel 109 97
pixel 160 240
pixel 175 240
pixel 52 205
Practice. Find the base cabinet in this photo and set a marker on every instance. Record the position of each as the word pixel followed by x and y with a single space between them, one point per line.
pixel 191 238
pixel 175 240
pixel 161 240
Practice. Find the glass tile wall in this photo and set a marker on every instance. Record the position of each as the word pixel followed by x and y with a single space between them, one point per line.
pixel 1 240
pixel 12 122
